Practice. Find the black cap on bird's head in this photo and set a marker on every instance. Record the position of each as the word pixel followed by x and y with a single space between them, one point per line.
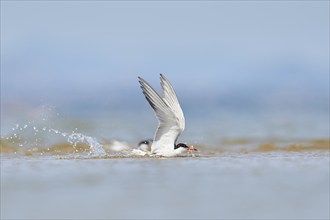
pixel 184 146
pixel 145 145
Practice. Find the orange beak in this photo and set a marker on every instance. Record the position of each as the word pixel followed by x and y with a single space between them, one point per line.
pixel 192 148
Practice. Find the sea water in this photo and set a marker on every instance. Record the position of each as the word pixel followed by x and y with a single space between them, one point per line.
pixel 245 168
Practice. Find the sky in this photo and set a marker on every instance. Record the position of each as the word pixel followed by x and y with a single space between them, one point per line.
pixel 87 55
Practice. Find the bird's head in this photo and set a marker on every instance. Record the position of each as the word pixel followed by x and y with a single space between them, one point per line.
pixel 145 145
pixel 183 146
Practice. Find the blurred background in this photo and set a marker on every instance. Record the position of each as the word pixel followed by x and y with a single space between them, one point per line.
pixel 252 77
pixel 257 69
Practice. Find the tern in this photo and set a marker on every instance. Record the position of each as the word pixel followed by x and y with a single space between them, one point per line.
pixel 145 145
pixel 170 117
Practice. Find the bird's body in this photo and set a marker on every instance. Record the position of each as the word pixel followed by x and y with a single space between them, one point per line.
pixel 170 117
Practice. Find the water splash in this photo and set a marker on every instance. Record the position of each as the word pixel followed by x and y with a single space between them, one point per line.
pixel 96 147
pixel 31 135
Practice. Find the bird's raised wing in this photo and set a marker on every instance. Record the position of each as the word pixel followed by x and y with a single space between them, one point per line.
pixel 172 100
pixel 168 112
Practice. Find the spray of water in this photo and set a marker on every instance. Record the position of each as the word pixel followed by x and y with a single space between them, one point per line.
pixel 96 149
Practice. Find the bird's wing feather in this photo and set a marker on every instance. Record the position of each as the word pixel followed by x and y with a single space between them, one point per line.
pixel 170 125
pixel 156 102
pixel 173 102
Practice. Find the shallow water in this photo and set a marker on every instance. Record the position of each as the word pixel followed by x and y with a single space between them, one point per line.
pixel 243 169
pixel 232 185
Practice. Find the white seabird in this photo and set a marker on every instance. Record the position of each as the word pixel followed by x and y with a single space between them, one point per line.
pixel 170 117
